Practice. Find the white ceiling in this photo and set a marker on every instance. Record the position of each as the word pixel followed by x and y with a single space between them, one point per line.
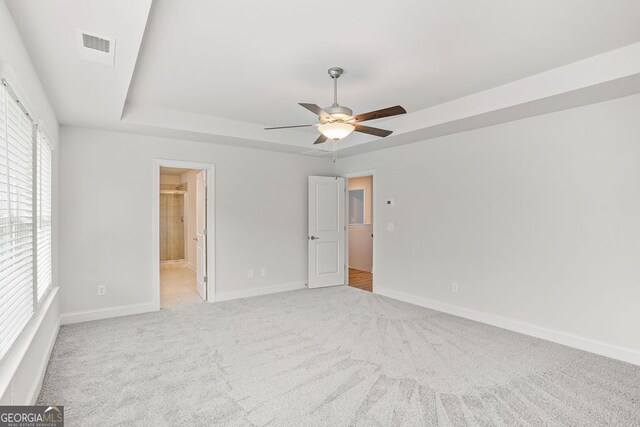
pixel 220 71
pixel 256 63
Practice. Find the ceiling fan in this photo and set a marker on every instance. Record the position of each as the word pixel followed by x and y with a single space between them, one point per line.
pixel 338 121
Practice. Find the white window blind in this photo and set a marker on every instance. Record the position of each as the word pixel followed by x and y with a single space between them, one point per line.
pixel 16 220
pixel 43 215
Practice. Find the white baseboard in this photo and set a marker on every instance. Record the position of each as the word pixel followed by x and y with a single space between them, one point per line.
pixel 604 349
pixel 254 292
pixel 107 313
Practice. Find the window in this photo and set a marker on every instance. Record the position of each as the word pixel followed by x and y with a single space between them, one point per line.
pixel 25 218
pixel 43 216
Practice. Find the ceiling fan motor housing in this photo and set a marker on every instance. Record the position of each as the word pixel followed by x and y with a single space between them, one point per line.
pixel 337 112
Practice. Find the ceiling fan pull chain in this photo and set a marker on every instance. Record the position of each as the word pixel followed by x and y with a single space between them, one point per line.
pixel 335 160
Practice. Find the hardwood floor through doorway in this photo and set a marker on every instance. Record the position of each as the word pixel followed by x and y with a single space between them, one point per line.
pixel 361 279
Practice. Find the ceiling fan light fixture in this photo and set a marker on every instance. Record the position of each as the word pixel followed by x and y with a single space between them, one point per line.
pixel 336 130
pixel 341 116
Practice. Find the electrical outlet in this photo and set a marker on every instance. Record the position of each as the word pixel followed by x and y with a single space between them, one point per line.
pixel 102 290
pixel 263 272
pixel 250 274
pixel 454 288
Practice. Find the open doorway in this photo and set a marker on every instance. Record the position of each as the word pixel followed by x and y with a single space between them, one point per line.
pixel 182 236
pixel 360 231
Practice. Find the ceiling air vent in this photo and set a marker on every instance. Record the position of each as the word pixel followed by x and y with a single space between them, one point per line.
pixel 93 42
pixel 95 48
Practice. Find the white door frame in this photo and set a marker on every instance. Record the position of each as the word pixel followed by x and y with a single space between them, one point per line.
pixel 155 224
pixel 347 177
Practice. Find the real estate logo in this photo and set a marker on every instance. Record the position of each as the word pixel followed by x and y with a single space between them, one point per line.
pixel 31 416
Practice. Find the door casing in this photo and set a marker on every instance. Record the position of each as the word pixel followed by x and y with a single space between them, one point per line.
pixel 201 234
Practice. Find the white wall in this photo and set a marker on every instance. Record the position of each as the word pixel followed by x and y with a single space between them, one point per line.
pixel 22 368
pixel 169 179
pixel 261 216
pixel 538 220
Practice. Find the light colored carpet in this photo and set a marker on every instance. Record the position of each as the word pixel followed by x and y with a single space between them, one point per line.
pixel 327 357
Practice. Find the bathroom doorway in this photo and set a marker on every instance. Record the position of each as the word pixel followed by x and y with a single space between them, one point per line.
pixel 180 231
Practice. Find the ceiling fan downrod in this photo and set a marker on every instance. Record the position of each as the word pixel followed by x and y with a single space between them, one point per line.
pixel 335 73
pixel 336 112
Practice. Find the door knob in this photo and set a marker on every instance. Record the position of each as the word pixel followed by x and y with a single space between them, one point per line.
pixel 313 237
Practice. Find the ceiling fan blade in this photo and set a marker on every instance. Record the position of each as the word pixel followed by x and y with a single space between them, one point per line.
pixel 379 114
pixel 288 127
pixel 316 110
pixel 320 139
pixel 372 131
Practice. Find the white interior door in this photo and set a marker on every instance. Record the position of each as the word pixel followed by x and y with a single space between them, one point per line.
pixel 201 233
pixel 326 232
